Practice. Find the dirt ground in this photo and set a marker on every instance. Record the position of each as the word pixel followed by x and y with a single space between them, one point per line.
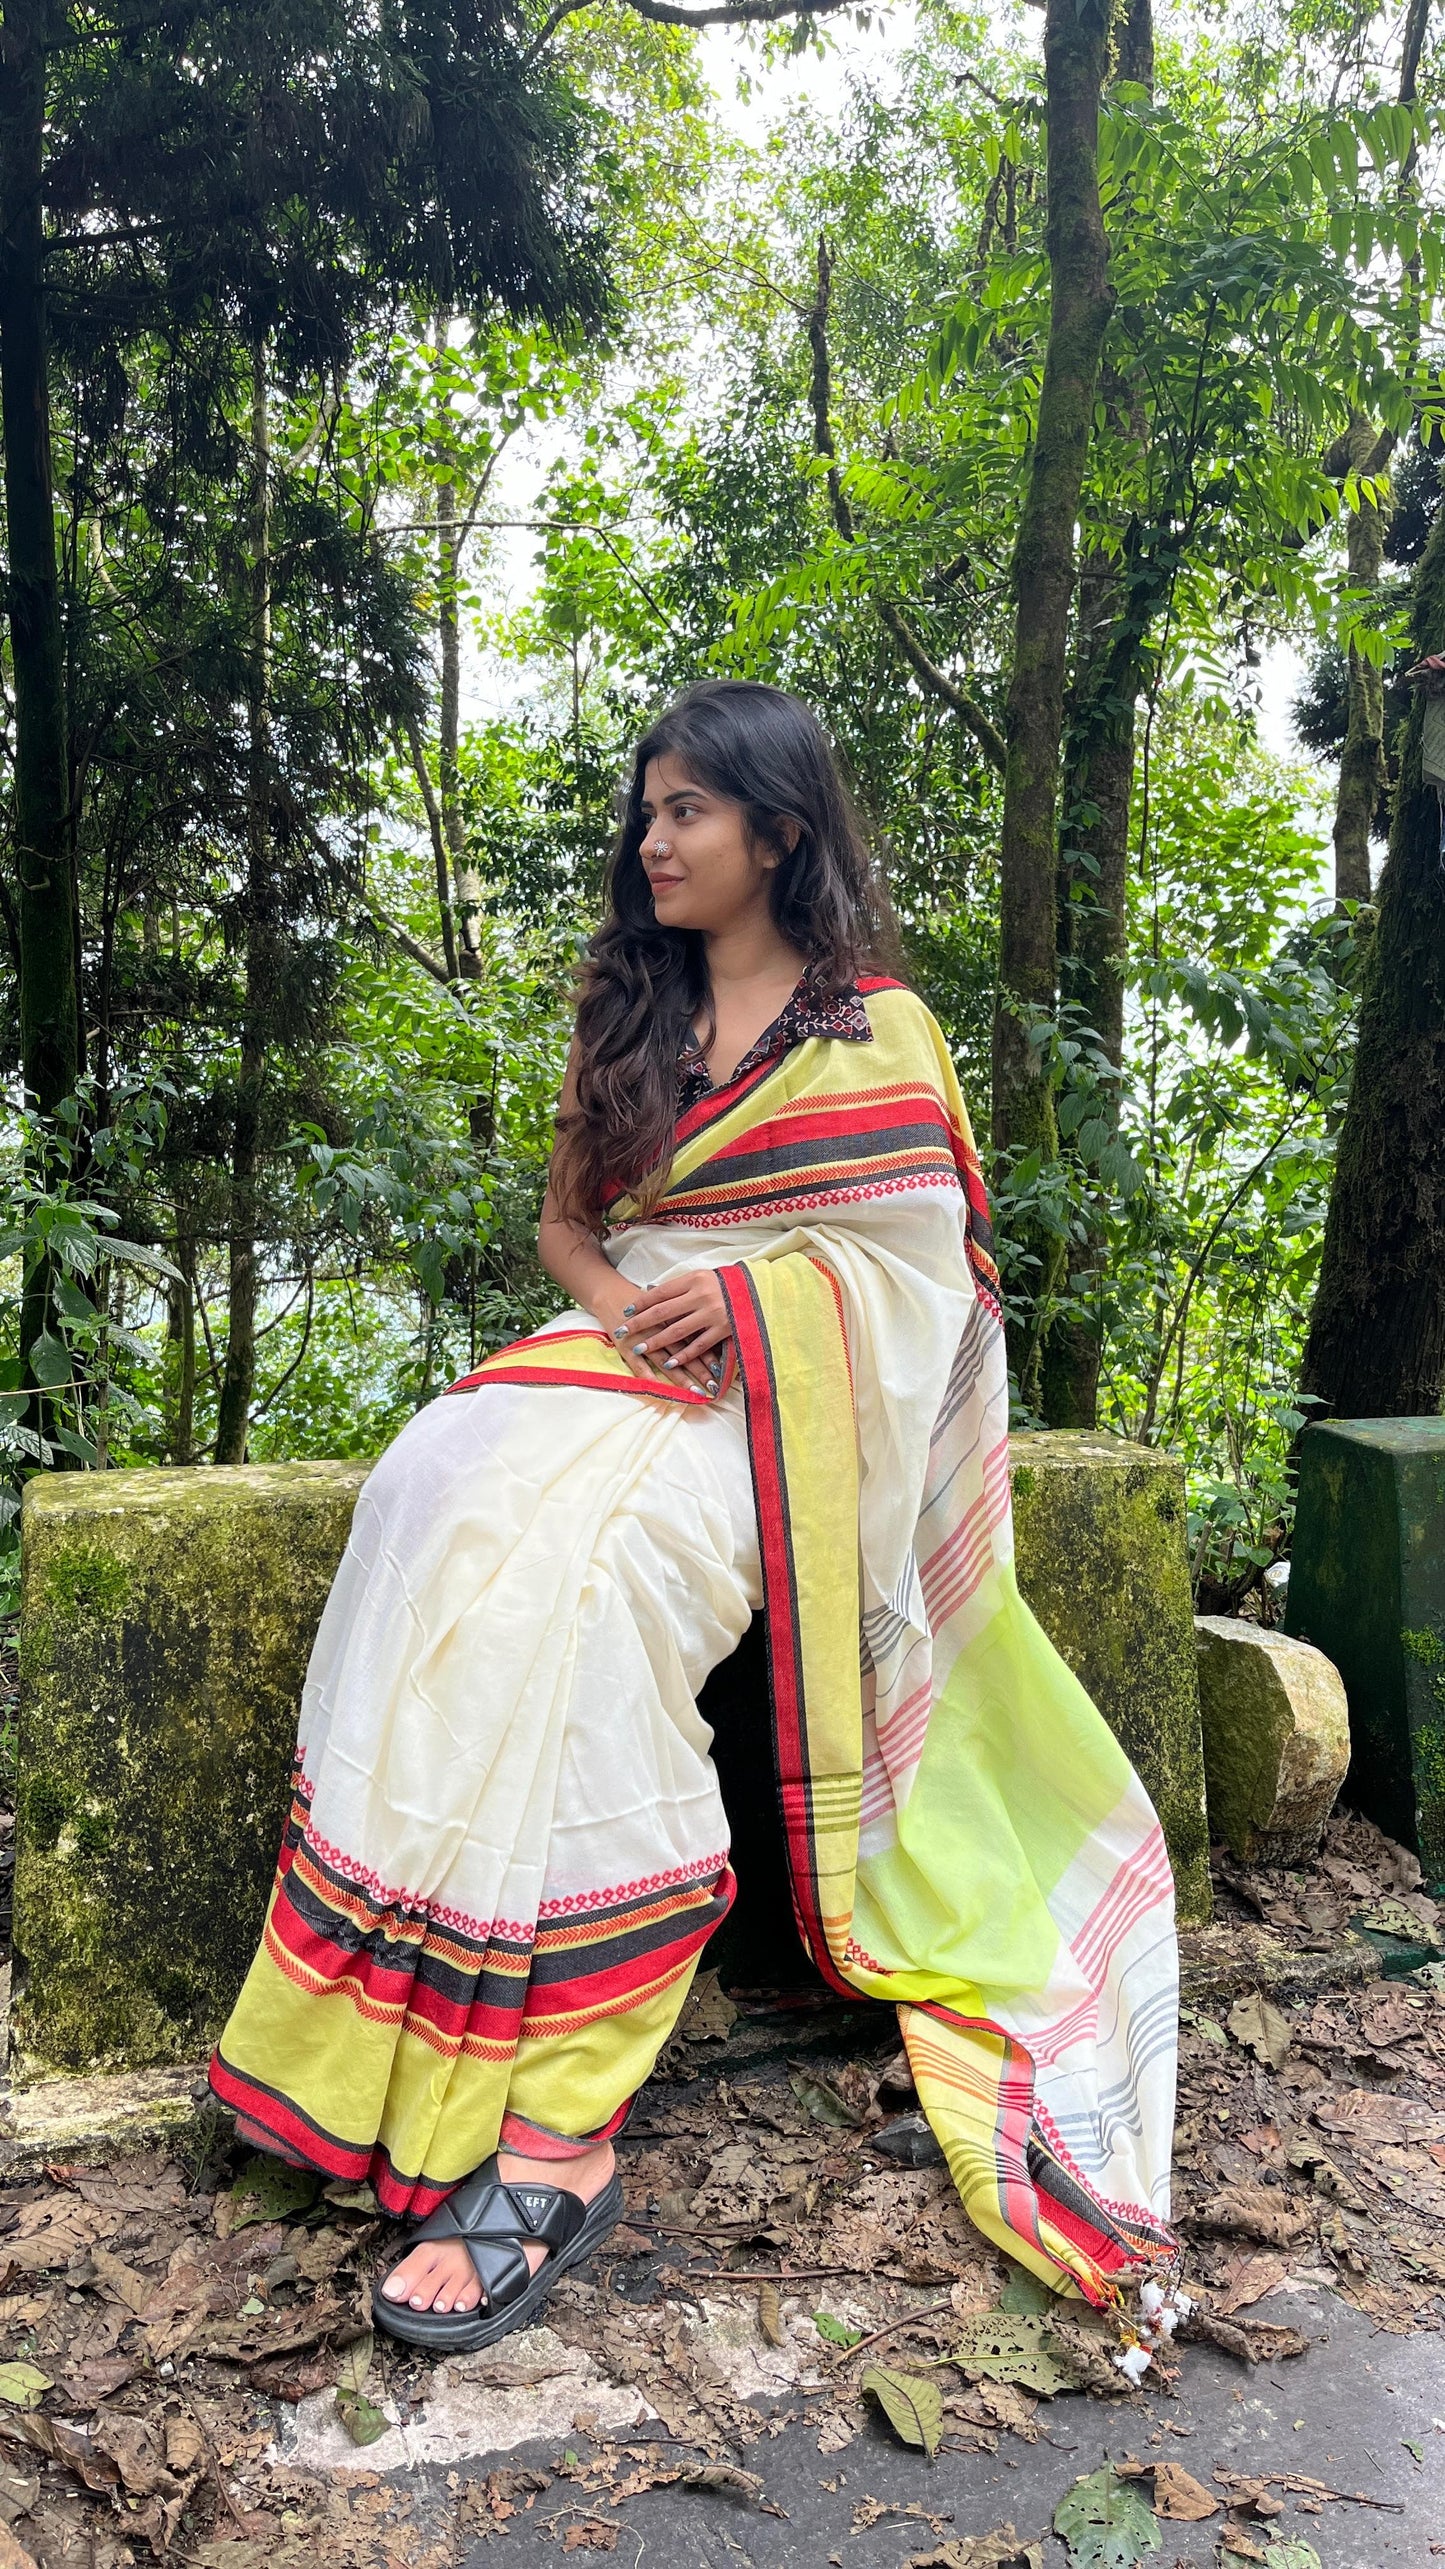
pixel 188 2372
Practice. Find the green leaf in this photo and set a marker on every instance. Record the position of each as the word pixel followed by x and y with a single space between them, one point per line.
pixel 1105 2524
pixel 912 2404
pixel 1015 2346
pixel 71 1441
pixel 270 2191
pixel 363 2421
pixel 50 1361
pixel 1025 2293
pixel 837 2331
pixel 23 2385
pixel 1292 2555
pixel 73 1303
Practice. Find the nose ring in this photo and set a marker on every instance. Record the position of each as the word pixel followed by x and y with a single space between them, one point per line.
pixel 661 847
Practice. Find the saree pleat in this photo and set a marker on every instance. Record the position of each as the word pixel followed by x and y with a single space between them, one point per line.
pixel 504 1697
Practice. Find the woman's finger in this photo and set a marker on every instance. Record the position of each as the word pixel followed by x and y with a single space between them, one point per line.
pixel 694 1325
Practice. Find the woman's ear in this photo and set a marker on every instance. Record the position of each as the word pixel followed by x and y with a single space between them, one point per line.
pixel 789 832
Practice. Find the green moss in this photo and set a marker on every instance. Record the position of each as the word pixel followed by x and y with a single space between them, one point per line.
pixel 87 1581
pixel 44 1809
pixel 1099 1526
pixel 166 1620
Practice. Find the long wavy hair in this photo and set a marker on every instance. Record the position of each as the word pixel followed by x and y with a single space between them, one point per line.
pixel 643 985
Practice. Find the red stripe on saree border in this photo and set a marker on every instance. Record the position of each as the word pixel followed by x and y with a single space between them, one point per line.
pixel 780 1606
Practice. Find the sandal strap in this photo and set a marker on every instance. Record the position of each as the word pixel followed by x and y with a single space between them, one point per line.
pixel 490 2206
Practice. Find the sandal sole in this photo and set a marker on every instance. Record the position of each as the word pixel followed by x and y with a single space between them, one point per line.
pixel 466 2332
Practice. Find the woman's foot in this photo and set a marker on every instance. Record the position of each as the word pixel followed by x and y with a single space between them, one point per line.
pixel 439 2274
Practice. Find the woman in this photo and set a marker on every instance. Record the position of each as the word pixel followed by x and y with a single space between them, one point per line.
pixel 507 1847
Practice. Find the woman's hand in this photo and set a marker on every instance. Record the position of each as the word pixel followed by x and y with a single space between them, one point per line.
pixel 678 1327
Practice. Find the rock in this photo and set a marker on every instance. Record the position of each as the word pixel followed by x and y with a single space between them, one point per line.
pixel 1276 1739
pixel 1367 1587
pixel 1099 1526
pixel 909 2140
pixel 166 1621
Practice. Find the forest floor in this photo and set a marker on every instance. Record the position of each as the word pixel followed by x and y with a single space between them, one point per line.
pixel 756 2366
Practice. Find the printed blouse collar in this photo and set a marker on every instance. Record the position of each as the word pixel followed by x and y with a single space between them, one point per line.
pixel 833 1016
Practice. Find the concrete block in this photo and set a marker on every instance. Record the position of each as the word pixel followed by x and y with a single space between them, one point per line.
pixel 1367 1586
pixel 1099 1525
pixel 1276 1739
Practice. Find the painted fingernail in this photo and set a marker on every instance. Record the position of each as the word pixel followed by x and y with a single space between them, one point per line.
pixel 669 1362
pixel 628 1309
pixel 619 1331
pixel 641 1347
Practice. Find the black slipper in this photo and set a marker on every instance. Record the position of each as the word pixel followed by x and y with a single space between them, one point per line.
pixel 494 2215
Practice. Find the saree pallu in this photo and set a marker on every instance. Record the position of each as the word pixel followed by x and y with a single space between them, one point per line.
pixel 507 1847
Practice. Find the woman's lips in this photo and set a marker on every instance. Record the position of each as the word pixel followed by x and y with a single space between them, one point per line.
pixel 664 882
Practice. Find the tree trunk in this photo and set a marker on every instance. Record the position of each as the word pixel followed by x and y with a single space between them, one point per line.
pixel 50 1037
pixel 1363 774
pixel 1075 46
pixel 1376 1345
pixel 466 882
pixel 233 1414
pixel 1093 942
pixel 183 1336
pixel 45 913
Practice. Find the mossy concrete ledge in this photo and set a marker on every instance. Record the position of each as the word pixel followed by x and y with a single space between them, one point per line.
pixel 166 1622
pixel 1100 1530
pixel 1367 1586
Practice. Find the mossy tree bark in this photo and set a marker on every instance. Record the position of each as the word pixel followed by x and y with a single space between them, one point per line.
pixel 1376 1346
pixel 233 1409
pixel 45 891
pixel 1075 54
pixel 1093 884
pixel 1364 450
pixel 45 909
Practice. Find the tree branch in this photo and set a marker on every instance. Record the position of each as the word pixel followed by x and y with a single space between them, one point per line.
pixel 409 944
pixel 726 13
pixel 438 843
pixel 892 617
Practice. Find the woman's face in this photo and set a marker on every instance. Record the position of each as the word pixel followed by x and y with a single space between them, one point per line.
pixel 695 851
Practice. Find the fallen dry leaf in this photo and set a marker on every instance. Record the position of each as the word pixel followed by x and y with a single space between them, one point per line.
pixel 1254 2212
pixel 121 2281
pixel 1362 2114
pixel 1000 2549
pixel 1249 2279
pixel 1254 2341
pixel 1179 2497
pixel 591 2536
pixel 13 2554
pixel 1248 2490
pixel 1263 2029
